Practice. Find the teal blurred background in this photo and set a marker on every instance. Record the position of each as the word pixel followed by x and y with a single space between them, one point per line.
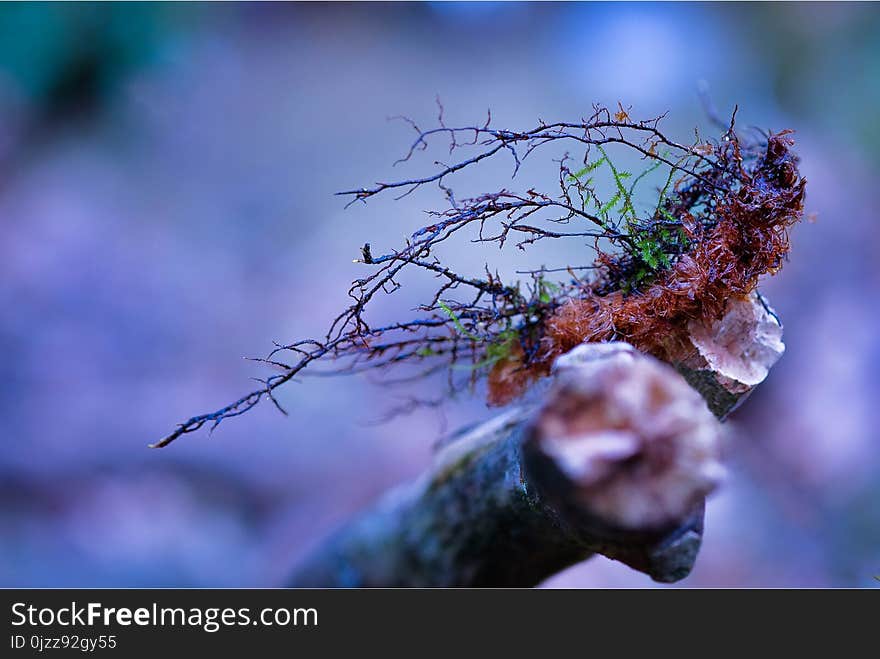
pixel 166 198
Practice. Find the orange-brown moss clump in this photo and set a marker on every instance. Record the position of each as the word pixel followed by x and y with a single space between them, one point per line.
pixel 741 233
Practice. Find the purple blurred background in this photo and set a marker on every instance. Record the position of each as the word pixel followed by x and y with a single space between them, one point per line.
pixel 166 194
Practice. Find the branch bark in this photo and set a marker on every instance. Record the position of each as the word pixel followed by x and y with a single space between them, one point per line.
pixel 615 459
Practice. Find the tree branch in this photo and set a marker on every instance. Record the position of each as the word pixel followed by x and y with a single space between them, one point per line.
pixel 616 459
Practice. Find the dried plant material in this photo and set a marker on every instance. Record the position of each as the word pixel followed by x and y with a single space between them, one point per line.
pixel 718 221
pixel 637 444
pixel 748 238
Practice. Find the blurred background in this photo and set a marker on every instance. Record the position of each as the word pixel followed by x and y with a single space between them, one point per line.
pixel 166 198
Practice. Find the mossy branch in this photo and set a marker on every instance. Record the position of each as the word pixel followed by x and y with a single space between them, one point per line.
pixel 719 223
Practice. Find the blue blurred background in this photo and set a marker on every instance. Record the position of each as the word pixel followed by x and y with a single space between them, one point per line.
pixel 166 198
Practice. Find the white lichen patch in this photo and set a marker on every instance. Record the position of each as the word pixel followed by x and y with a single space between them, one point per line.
pixel 742 346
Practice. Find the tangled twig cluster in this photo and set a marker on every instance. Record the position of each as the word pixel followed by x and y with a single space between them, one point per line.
pixel 718 222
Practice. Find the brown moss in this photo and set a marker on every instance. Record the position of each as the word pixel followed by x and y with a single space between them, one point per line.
pixel 747 237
